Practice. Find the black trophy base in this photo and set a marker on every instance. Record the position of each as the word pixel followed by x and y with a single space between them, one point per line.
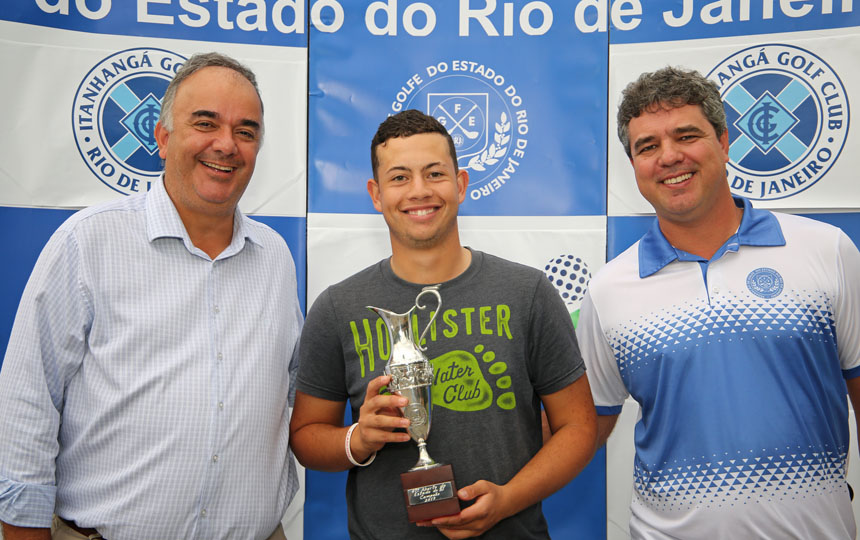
pixel 430 493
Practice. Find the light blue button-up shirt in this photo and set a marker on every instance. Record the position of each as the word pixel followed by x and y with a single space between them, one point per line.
pixel 145 390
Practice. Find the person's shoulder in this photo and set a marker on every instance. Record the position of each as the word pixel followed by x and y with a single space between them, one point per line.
pixel 265 234
pixel 98 215
pixel 359 280
pixel 807 234
pixel 350 290
pixel 621 267
pixel 791 223
pixel 510 268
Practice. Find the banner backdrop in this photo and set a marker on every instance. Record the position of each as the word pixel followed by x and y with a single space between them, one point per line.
pixel 499 77
pixel 528 90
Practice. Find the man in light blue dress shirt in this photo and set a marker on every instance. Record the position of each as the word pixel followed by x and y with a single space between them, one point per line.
pixel 146 387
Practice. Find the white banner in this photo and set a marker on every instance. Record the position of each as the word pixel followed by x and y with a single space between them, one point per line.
pixel 808 161
pixel 83 133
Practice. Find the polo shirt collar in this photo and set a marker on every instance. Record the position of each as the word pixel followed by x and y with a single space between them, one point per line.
pixel 757 228
pixel 163 221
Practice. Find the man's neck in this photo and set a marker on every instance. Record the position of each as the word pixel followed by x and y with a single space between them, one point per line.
pixel 211 234
pixel 704 237
pixel 209 231
pixel 430 266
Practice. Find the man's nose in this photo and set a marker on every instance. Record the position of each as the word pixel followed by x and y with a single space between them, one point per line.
pixel 225 142
pixel 670 153
pixel 419 188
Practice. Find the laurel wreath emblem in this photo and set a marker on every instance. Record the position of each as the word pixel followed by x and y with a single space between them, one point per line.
pixel 497 149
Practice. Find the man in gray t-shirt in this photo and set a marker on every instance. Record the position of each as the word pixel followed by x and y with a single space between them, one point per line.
pixel 502 345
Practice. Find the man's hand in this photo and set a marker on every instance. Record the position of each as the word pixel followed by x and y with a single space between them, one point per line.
pixel 379 416
pixel 317 431
pixel 489 509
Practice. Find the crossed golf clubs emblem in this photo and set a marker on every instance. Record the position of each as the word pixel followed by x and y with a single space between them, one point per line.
pixel 457 123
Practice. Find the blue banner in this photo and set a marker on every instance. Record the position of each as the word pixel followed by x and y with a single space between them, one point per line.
pixel 634 21
pixel 259 22
pixel 502 109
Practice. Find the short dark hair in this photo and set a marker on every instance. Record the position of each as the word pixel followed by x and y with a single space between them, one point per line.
pixel 193 65
pixel 669 87
pixel 405 124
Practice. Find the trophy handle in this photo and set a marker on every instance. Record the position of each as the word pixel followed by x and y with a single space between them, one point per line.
pixel 434 290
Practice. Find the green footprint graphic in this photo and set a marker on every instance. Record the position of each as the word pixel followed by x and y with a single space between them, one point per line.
pixel 459 384
pixel 507 400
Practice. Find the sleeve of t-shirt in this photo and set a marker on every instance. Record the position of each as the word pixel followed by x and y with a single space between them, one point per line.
pixel 607 387
pixel 847 308
pixel 554 353
pixel 321 364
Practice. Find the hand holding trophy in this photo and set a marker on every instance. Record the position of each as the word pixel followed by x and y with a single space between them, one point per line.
pixel 428 487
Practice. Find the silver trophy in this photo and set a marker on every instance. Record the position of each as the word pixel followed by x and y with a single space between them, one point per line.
pixel 411 371
pixel 428 488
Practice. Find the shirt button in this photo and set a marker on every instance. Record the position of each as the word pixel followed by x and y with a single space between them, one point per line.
pixel 203 513
pixel 215 458
pixel 220 404
pixel 220 357
pixel 216 309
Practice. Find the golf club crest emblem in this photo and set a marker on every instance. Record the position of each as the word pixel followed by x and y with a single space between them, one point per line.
pixel 114 113
pixel 482 111
pixel 765 282
pixel 787 114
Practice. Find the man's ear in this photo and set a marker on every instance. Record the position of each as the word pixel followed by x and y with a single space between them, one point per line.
pixel 373 191
pixel 462 183
pixel 161 136
pixel 724 145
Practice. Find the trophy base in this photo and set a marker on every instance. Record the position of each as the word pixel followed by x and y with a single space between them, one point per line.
pixel 430 493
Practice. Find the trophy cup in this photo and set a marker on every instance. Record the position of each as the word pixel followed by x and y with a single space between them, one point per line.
pixel 428 487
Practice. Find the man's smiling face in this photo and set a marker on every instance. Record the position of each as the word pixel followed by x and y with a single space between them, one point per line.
pixel 418 190
pixel 679 162
pixel 211 153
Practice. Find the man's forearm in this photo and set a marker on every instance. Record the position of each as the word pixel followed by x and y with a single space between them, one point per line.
pixel 12 532
pixel 605 425
pixel 321 447
pixel 562 457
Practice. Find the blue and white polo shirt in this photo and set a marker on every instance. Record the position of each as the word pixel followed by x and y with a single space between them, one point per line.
pixel 738 364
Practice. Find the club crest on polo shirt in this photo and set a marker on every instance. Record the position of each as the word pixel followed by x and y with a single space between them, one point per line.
pixel 482 111
pixel 787 114
pixel 765 282
pixel 114 113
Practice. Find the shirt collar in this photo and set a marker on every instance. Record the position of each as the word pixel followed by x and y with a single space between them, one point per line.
pixel 757 228
pixel 163 221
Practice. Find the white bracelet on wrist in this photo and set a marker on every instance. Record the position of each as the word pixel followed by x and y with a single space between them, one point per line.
pixel 349 452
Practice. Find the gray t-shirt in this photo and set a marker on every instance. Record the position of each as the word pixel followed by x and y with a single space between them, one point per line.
pixel 502 339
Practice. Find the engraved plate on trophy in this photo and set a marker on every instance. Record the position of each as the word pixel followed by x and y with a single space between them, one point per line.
pixel 428 487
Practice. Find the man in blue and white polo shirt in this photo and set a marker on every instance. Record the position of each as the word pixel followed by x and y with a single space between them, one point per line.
pixel 735 330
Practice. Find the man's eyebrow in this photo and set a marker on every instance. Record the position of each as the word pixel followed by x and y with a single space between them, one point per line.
pixel 688 129
pixel 250 123
pixel 397 168
pixel 680 130
pixel 431 165
pixel 642 141
pixel 203 113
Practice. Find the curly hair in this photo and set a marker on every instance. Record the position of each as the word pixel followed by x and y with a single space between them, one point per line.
pixel 669 87
pixel 405 124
